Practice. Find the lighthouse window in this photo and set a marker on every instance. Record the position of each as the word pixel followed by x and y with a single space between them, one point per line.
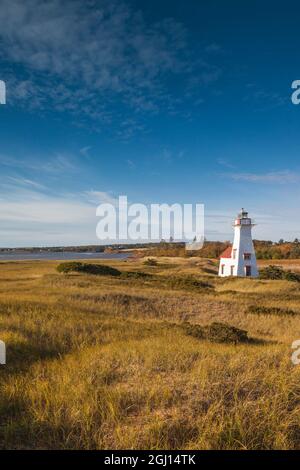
pixel 234 254
pixel 231 270
pixel 247 256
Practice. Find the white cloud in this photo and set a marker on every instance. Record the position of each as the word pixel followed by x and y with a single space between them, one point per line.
pixel 131 164
pixel 47 210
pixel 276 177
pixel 56 164
pixel 98 197
pixel 224 162
pixel 264 100
pixel 107 47
pixel 84 151
pixel 19 181
pixel 213 48
pixel 85 57
pixel 29 216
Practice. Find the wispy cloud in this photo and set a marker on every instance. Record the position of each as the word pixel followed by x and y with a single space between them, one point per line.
pixel 24 182
pixel 85 151
pixel 108 48
pixel 213 48
pixel 131 164
pixel 224 162
pixel 31 215
pixel 84 57
pixel 97 197
pixel 170 156
pixel 55 164
pixel 278 177
pixel 264 100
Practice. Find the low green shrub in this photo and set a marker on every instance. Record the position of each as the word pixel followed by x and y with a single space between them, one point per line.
pixel 272 272
pixel 261 310
pixel 277 273
pixel 217 332
pixel 290 276
pixel 183 283
pixel 134 275
pixel 97 269
pixel 187 282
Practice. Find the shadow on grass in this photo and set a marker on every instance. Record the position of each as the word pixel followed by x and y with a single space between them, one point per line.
pixel 19 429
pixel 20 356
pixel 261 342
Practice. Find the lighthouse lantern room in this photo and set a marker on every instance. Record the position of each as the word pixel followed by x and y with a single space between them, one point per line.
pixel 239 259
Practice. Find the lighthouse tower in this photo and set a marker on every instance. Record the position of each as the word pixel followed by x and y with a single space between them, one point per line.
pixel 239 259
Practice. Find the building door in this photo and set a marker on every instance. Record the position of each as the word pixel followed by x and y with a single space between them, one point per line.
pixel 231 270
pixel 248 270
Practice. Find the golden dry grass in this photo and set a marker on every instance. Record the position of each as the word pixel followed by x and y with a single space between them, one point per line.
pixel 97 362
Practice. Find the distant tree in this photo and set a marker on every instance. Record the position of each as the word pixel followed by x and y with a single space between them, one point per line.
pixel 211 249
pixel 295 252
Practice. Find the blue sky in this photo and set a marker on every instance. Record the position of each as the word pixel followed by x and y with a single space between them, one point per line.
pixel 161 101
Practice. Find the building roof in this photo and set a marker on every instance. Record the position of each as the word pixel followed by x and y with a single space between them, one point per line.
pixel 227 253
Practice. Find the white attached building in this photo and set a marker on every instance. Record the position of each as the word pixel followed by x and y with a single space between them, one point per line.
pixel 239 259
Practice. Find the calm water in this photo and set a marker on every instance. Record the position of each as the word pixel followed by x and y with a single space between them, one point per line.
pixel 60 256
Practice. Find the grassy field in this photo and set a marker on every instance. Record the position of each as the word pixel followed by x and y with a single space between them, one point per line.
pixel 99 362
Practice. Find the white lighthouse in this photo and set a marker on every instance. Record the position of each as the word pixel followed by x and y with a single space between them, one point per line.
pixel 239 259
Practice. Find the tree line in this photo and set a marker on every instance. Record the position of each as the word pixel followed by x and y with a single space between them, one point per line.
pixel 212 249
